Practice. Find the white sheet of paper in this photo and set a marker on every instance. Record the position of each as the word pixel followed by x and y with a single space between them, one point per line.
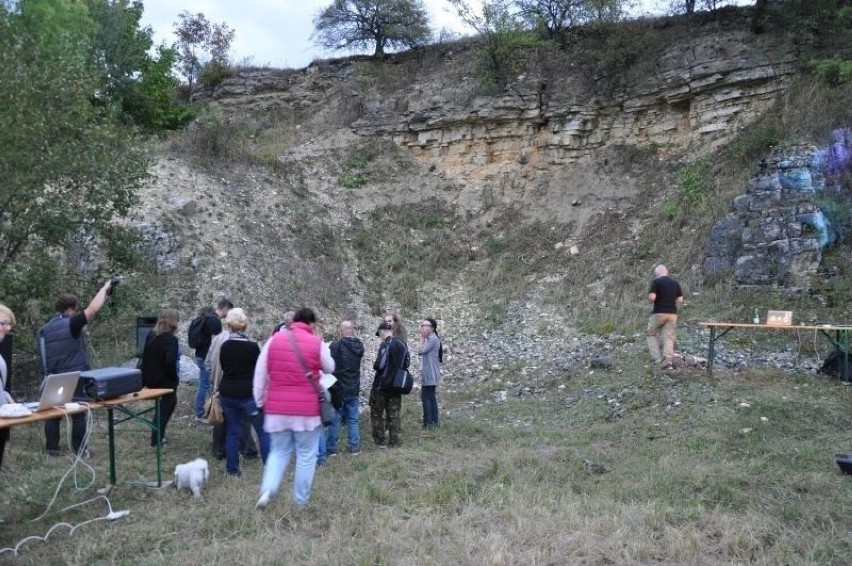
pixel 327 380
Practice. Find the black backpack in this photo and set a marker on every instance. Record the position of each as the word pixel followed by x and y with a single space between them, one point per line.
pixel 195 334
pixel 836 365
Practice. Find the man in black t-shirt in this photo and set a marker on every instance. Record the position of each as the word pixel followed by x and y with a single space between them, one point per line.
pixel 62 346
pixel 665 294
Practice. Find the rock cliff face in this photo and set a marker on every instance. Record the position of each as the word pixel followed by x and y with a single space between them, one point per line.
pixel 698 93
pixel 776 231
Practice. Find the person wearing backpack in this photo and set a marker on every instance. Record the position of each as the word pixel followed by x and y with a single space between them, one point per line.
pixel 430 370
pixel 201 332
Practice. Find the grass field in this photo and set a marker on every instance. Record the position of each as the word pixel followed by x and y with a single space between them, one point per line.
pixel 629 467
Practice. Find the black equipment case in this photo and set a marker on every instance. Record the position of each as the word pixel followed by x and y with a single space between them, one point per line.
pixel 109 383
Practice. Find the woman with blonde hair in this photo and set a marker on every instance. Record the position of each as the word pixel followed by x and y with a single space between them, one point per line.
pixel 237 359
pixel 160 366
pixel 7 322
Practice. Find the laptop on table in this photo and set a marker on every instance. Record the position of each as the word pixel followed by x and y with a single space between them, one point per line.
pixel 57 389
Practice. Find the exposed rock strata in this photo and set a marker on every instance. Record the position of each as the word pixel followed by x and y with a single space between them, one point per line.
pixel 700 92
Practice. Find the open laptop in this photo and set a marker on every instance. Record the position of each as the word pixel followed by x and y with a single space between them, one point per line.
pixel 57 389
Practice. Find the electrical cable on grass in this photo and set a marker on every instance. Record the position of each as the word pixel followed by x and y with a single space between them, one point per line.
pixel 78 459
pixel 110 516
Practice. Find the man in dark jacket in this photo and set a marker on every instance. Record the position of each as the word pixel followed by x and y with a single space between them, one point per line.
pixel 347 352
pixel 385 406
pixel 62 346
pixel 211 327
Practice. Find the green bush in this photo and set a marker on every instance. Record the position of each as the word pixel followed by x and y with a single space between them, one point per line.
pixel 833 72
pixel 151 101
pixel 694 181
pixel 354 175
pixel 214 73
pixel 754 144
pixel 502 54
pixel 212 138
pixel 670 209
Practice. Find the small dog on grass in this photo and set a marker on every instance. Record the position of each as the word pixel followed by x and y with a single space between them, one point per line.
pixel 192 476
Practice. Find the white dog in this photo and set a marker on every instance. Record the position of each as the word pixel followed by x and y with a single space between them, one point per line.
pixel 192 476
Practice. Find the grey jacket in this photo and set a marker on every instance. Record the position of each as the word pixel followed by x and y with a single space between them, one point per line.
pixel 430 368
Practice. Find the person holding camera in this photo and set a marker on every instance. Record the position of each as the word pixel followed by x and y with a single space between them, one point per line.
pixel 62 348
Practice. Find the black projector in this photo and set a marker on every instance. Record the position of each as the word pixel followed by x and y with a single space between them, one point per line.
pixel 109 383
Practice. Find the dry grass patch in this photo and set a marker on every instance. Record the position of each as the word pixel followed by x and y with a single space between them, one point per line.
pixel 680 482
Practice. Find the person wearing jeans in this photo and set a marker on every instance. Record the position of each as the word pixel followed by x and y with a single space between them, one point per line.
pixel 348 414
pixel 347 352
pixel 237 411
pixel 237 358
pixel 282 444
pixel 286 383
pixel 213 365
pixel 430 346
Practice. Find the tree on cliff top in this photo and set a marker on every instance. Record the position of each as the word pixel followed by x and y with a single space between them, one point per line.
pixel 201 45
pixel 503 43
pixel 556 17
pixel 347 24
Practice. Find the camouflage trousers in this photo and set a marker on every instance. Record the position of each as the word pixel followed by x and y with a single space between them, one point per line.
pixel 385 409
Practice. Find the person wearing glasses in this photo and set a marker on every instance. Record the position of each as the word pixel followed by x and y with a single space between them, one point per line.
pixel 430 370
pixel 7 322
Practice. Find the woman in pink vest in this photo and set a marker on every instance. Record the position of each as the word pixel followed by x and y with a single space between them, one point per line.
pixel 286 379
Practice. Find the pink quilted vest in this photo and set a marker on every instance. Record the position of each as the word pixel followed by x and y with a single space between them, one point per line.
pixel 290 392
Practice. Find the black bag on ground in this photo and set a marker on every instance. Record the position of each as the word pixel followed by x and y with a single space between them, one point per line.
pixel 837 365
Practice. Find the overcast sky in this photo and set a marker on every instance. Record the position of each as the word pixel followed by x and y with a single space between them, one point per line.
pixel 278 32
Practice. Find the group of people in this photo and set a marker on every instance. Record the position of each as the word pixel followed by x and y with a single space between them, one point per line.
pixel 275 390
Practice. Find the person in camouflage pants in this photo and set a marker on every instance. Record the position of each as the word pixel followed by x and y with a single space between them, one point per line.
pixel 386 407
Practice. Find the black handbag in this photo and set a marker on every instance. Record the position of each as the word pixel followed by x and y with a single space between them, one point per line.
pixel 327 410
pixel 402 381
